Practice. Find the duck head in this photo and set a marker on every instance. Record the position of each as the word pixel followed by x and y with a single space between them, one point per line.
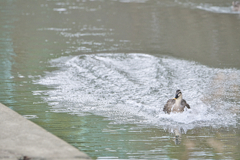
pixel 178 94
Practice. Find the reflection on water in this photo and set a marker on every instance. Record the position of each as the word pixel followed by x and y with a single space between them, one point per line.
pixel 74 67
pixel 6 54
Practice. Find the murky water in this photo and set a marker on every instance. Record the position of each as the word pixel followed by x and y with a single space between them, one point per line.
pixel 97 74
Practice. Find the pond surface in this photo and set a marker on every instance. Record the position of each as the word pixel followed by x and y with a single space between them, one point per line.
pixel 98 73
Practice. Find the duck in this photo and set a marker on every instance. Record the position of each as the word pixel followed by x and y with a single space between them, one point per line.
pixel 236 6
pixel 177 104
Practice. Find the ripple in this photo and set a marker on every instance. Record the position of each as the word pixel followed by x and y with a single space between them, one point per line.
pixel 60 9
pixel 30 116
pixel 217 9
pixel 209 7
pixel 133 88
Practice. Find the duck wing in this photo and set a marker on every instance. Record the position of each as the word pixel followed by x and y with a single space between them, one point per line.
pixel 184 103
pixel 168 106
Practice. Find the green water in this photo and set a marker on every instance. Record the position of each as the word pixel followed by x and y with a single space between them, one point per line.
pixel 33 33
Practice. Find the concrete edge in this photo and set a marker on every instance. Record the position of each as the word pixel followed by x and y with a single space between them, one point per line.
pixel 21 139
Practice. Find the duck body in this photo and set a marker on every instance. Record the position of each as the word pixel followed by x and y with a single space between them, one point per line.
pixel 176 104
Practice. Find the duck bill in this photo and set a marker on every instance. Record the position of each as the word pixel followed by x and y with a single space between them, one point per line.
pixel 176 96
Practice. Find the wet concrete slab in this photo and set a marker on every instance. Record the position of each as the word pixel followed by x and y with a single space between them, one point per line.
pixel 21 139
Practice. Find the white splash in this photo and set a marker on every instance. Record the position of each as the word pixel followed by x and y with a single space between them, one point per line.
pixel 217 9
pixel 208 7
pixel 133 88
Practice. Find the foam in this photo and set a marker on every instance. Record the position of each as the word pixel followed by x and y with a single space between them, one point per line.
pixel 209 7
pixel 133 88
